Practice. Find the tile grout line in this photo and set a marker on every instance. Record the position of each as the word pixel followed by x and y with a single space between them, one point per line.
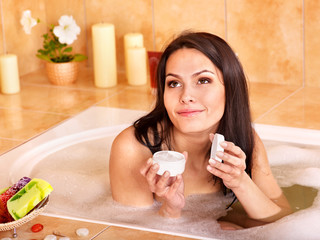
pixel 226 20
pixel 111 95
pixel 12 139
pixel 99 233
pixel 37 111
pixel 66 87
pixel 278 104
pixel 3 29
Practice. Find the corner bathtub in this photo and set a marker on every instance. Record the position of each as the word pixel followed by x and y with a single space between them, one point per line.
pixel 73 157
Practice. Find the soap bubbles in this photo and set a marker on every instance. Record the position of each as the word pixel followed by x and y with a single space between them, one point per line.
pixel 79 174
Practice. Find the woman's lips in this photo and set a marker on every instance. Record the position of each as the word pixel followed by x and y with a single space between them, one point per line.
pixel 189 112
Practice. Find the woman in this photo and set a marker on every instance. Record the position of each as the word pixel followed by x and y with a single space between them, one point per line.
pixel 201 91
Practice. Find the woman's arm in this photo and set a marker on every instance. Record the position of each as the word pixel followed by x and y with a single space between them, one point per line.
pixel 134 179
pixel 127 156
pixel 261 197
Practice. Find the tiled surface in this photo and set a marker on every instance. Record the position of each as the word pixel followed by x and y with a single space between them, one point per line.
pixel 264 96
pixel 268 39
pixel 16 41
pixel 21 125
pixel 301 110
pixel 127 17
pixel 277 41
pixel 39 106
pixel 59 226
pixel 312 47
pixel 116 233
pixel 170 18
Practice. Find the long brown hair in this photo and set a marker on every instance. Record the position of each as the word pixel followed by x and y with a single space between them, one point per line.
pixel 235 123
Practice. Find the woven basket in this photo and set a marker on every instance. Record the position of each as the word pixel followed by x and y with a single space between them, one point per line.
pixel 62 73
pixel 25 219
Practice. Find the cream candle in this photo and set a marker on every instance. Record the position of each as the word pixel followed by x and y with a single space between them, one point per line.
pixel 131 40
pixel 137 66
pixel 104 55
pixel 9 74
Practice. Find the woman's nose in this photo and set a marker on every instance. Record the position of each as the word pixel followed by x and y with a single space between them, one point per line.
pixel 187 96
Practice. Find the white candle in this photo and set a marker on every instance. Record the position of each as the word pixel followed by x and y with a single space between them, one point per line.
pixel 9 74
pixel 137 66
pixel 131 40
pixel 104 55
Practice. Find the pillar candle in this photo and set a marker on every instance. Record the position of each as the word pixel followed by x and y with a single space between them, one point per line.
pixel 137 66
pixel 9 74
pixel 104 55
pixel 131 40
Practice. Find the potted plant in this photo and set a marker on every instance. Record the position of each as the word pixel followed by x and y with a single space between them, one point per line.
pixel 62 65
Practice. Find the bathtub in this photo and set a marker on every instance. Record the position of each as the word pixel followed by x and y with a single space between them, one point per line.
pixel 73 157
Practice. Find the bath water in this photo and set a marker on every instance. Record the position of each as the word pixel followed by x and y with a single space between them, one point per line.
pixel 79 176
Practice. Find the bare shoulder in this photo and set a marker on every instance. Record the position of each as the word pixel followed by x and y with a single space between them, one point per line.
pixel 126 139
pixel 127 157
pixel 126 149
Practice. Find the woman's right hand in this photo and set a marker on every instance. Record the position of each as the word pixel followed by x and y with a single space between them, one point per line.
pixel 169 189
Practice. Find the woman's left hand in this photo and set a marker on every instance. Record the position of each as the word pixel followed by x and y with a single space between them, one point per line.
pixel 232 169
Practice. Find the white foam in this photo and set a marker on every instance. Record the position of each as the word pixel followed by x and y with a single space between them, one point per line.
pixel 79 175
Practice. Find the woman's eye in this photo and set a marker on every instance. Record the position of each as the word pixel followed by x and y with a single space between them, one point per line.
pixel 204 80
pixel 173 84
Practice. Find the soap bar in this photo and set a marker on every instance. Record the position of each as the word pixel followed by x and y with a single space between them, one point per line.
pixel 28 197
pixel 6 195
pixel 215 147
pixel 3 190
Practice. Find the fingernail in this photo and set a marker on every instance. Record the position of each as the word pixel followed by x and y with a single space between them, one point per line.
pixel 166 174
pixel 212 161
pixel 223 144
pixel 149 161
pixel 154 167
pixel 219 154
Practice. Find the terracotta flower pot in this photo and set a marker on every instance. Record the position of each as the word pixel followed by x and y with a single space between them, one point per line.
pixel 62 73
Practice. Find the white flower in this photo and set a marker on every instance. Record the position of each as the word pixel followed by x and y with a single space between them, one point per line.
pixel 27 21
pixel 67 30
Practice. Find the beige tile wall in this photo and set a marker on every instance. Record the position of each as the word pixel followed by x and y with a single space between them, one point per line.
pixel 19 43
pixel 312 39
pixel 172 17
pixel 268 35
pixel 127 17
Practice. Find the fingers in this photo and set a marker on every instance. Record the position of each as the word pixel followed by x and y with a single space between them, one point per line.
pixel 160 184
pixel 223 170
pixel 232 167
pixel 232 155
pixel 233 149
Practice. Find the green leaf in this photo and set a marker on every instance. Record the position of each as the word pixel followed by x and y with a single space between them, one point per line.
pixel 68 49
pixel 79 57
pixel 44 57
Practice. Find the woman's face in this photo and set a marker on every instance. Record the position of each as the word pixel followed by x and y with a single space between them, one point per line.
pixel 194 94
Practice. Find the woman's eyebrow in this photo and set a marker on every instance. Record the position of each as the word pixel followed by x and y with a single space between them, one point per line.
pixel 193 75
pixel 203 71
pixel 173 75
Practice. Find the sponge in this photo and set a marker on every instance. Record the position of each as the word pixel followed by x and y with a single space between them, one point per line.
pixel 28 197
